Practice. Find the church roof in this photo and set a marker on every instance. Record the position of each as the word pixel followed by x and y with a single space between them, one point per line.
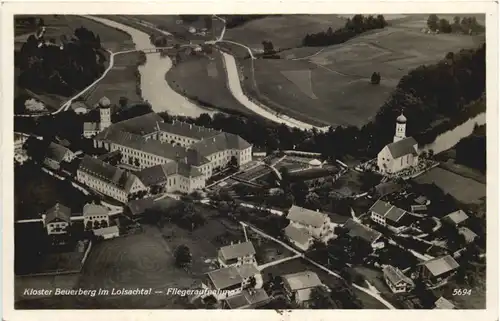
pixel 403 147
pixel 401 119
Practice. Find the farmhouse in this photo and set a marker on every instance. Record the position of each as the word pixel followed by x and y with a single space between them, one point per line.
pixel 298 286
pixel 365 233
pixel 438 270
pixel 90 129
pixel 236 254
pixel 455 218
pixel 95 216
pixel 317 224
pixel 248 299
pixel 56 154
pixel 401 153
pixel 390 216
pixel 229 281
pixel 396 280
pixel 107 179
pixel 57 219
pixel 107 232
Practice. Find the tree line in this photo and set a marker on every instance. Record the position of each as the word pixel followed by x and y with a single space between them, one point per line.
pixel 353 27
pixel 466 25
pixel 61 67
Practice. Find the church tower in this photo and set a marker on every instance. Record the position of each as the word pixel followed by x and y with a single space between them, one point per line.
pixel 400 128
pixel 105 113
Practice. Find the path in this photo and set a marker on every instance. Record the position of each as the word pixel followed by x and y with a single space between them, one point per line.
pixel 372 294
pixel 273 263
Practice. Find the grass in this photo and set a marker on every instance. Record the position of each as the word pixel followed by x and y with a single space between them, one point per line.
pixel 203 78
pixel 286 31
pixel 464 189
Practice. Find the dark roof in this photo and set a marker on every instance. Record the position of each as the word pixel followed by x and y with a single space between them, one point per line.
pixel 247 298
pixel 225 277
pixel 108 173
pixel 138 206
pixel 364 232
pixel 233 251
pixel 306 216
pixel 395 275
pixel 141 125
pixel 220 142
pixel 380 207
pixel 187 130
pixel 403 147
pixel 58 211
pixel 337 218
pixel 158 174
pixel 56 152
pixel 441 265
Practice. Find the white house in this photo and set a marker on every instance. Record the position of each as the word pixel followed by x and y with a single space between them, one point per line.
pixel 298 286
pixel 396 280
pixel 95 216
pixel 316 223
pixel 236 254
pixel 57 219
pixel 107 179
pixel 390 216
pixel 402 153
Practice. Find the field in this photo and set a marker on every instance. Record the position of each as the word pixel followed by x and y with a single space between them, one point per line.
pixel 334 82
pixel 283 31
pixel 203 78
pixel 464 189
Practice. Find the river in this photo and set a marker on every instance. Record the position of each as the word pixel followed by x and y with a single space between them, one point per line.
pixel 154 87
pixel 450 138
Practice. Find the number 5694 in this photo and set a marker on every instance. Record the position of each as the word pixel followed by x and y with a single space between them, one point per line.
pixel 462 291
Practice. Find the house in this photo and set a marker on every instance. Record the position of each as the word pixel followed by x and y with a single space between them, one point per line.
pixel 396 280
pixel 455 218
pixel 56 154
pixel 298 286
pixel 468 234
pixel 316 223
pixel 236 254
pixel 248 299
pixel 444 304
pixel 228 281
pixel 422 200
pixel 79 107
pixel 107 179
pixel 57 220
pixel 438 270
pixel 172 177
pixel 299 237
pixel 401 154
pixel 365 233
pixel 390 216
pixel 95 216
pixel 107 232
pixel 139 206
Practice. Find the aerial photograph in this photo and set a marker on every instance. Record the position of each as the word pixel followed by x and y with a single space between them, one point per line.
pixel 279 161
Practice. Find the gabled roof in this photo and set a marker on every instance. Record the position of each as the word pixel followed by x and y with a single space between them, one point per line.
pixel 57 152
pixel 467 233
pixel 442 303
pixel 395 214
pixel 141 125
pixel 456 217
pixel 302 280
pixel 220 142
pixel 441 265
pixel 237 250
pixel 93 209
pixel 380 207
pixel 305 216
pixel 107 173
pixel 247 298
pixel 225 277
pixel 395 275
pixel 159 174
pixel 387 210
pixel 58 211
pixel 405 146
pixel 138 206
pixel 364 232
pixel 247 270
pixel 299 235
pixel 187 130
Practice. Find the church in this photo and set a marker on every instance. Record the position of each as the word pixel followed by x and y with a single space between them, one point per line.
pixel 90 129
pixel 401 153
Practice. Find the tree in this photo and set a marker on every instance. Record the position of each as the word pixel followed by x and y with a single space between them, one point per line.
pixel 233 162
pixel 375 78
pixel 123 102
pixel 88 226
pixel 182 256
pixel 268 47
pixel 321 299
pixel 137 163
pixel 444 26
pixel 252 282
pixel 299 191
pixel 432 22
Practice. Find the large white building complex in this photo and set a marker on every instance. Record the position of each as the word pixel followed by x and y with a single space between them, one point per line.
pixel 402 153
pixel 177 156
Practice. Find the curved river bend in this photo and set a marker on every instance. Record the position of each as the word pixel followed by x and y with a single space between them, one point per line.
pixel 154 87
